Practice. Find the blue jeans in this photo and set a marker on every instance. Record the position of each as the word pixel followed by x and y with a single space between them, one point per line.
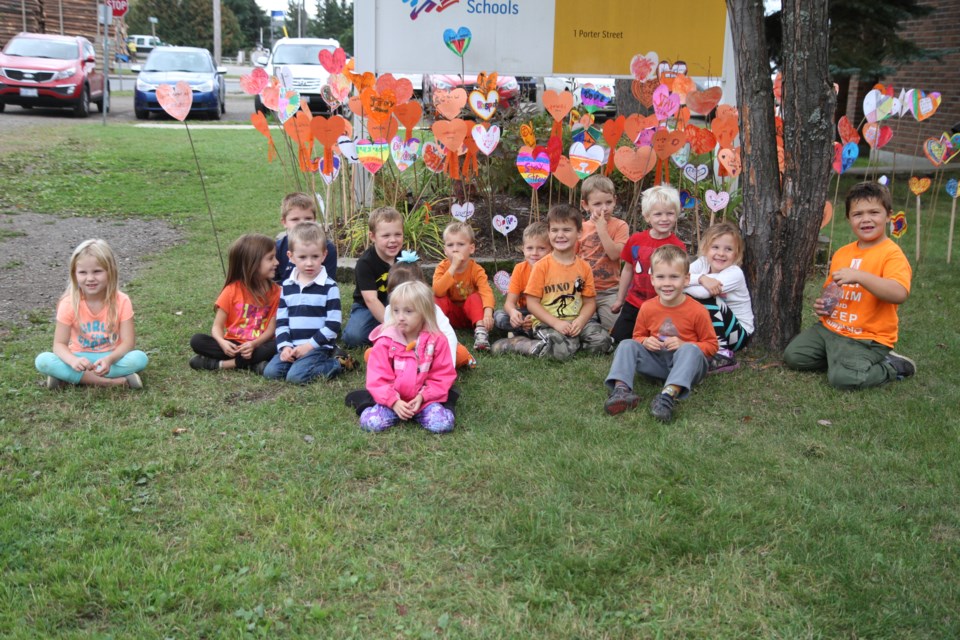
pixel 50 364
pixel 359 325
pixel 317 363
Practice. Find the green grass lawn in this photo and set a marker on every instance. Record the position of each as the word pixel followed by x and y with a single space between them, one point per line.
pixel 774 506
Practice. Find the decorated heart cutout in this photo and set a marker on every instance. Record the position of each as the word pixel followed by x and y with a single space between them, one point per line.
pixel 487 139
pixel 716 201
pixel 378 106
pixel 726 129
pixel 347 147
pixel 284 76
pixel 898 225
pixel 919 185
pixel 409 115
pixel 877 135
pixel 322 169
pixel 328 131
pixel 644 67
pixel 681 157
pixel 533 167
pixel 703 102
pixel 457 41
pixel 613 131
pixel 683 86
pixel 687 201
pixel 557 103
pixel 634 125
pixel 486 82
pixel 701 140
pixel 433 157
pixel 827 214
pixel 665 104
pixel 565 174
pixel 952 187
pixel 505 224
pixel 326 93
pixel 925 104
pixel 935 151
pixel 593 99
pixel 462 212
pixel 404 152
pixel 448 103
pixel 844 156
pixel 585 160
pixel 176 99
pixel 953 146
pixel 730 160
pixel 666 143
pixel 288 103
pixel 848 133
pixel 527 134
pixel 643 91
pixel 382 131
pixel 501 280
pixel 877 106
pixel 332 61
pixel 254 82
pixel 483 105
pixel 634 162
pixel 696 173
pixel 450 133
pixel 372 155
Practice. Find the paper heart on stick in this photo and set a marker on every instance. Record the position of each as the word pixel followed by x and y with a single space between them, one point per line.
pixel 613 131
pixel 378 105
pixel 877 106
pixel 501 280
pixel 727 110
pixel 372 155
pixel 404 152
pixel 433 157
pixel 284 76
pixel 322 169
pixel 409 115
pixel 666 143
pixel 554 151
pixel 382 131
pixel 462 212
pixel 687 201
pixel 594 98
pixel 332 61
pixel 487 139
pixel 484 105
pixel 527 134
pixel 848 133
pixel 877 135
pixel 505 224
pixel 919 186
pixel 716 201
pixel 288 103
pixel 450 133
pixel 701 140
pixel 952 142
pixel 254 82
pixel 176 99
pixel 935 151
pixel 327 131
pixel 402 88
pixel 703 102
pixel 326 93
pixel 730 160
pixel 844 156
pixel 457 41
pixel 557 103
pixel 726 129
pixel 683 87
pixel 681 157
pixel 952 187
pixel 634 162
pixel 585 160
pixel 565 173
pixel 347 147
pixel 533 166
pixel 448 103
pixel 486 82
pixel 898 225
pixel 644 67
pixel 634 125
pixel 665 104
pixel 643 91
pixel 696 173
pixel 827 214
pixel 925 104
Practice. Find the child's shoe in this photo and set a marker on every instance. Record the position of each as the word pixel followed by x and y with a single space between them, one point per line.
pixel 662 407
pixel 134 381
pixel 56 383
pixel 345 359
pixel 260 367
pixel 201 363
pixel 904 366
pixel 481 338
pixel 621 399
pixel 723 361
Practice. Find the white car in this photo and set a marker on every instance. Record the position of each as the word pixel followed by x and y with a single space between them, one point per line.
pixel 301 56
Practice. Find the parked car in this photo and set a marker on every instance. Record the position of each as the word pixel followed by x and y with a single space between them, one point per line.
pixel 578 85
pixel 507 87
pixel 38 70
pixel 145 44
pixel 302 57
pixel 170 65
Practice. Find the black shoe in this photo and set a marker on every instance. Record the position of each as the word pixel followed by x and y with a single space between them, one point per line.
pixel 620 400
pixel 904 366
pixel 260 367
pixel 662 407
pixel 201 363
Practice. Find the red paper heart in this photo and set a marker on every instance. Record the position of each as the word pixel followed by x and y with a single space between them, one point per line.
pixel 333 61
pixel 176 100
pixel 703 102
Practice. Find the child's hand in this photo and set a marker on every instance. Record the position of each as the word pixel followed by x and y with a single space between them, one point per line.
pixel 229 348
pixel 516 319
pixel 302 350
pixel 82 364
pixel 287 354
pixel 528 323
pixel 712 285
pixel 652 343
pixel 616 306
pixel 456 261
pixel 487 321
pixel 403 409
pixel 576 326
pixel 672 343
pixel 416 403
pixel 818 307
pixel 846 276
pixel 245 350
pixel 598 219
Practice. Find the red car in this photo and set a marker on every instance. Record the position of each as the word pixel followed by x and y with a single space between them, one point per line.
pixel 38 70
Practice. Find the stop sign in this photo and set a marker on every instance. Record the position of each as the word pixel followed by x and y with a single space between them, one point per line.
pixel 119 7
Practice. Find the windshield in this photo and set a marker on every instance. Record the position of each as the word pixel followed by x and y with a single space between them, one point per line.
pixel 37 48
pixel 189 61
pixel 299 53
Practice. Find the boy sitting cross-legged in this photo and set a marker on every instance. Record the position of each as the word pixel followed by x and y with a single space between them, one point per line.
pixel 461 287
pixel 856 333
pixel 673 340
pixel 514 316
pixel 561 297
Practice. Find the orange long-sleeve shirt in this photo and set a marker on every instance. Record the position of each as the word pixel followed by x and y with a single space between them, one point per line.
pixel 457 286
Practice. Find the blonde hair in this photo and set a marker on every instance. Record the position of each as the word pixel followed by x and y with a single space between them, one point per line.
pixel 724 228
pixel 100 251
pixel 383 214
pixel 297 200
pixel 671 255
pixel 419 295
pixel 660 194
pixel 461 228
pixel 596 183
pixel 536 230
pixel 306 233
pixel 243 265
pixel 402 272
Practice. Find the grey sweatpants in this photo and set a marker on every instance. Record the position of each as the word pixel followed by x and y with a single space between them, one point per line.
pixel 684 367
pixel 592 338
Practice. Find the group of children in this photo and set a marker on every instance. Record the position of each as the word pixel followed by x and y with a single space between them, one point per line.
pixel 671 321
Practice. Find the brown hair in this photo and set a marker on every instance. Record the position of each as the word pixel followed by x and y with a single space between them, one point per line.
pixel 594 183
pixel 297 200
pixel 671 255
pixel 869 191
pixel 243 264
pixel 383 214
pixel 565 213
pixel 457 227
pixel 725 228
pixel 402 272
pixel 536 230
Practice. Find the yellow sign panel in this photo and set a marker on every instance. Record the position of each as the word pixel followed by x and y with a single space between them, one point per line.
pixel 606 34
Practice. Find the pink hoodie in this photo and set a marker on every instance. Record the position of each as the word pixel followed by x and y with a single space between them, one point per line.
pixel 396 372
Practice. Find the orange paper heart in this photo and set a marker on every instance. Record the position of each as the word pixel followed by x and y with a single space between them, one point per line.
pixel 613 131
pixel 409 115
pixel 382 131
pixel 527 134
pixel 703 102
pixel 565 173
pixel 378 105
pixel 634 162
pixel 450 133
pixel 701 140
pixel 666 143
pixel 919 185
pixel 730 160
pixel 557 103
pixel 725 129
pixel 486 82
pixel 176 100
pixel 327 130
pixel 827 214
pixel 449 103
pixel 725 110
pixel 634 125
pixel 683 86
pixel 643 91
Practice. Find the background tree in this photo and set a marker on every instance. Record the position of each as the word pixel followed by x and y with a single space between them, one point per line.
pixel 335 20
pixel 167 14
pixel 251 19
pixel 781 217
pixel 186 23
pixel 296 19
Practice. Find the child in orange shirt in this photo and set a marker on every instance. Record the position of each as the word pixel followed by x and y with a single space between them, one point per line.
pixel 601 243
pixel 461 286
pixel 514 316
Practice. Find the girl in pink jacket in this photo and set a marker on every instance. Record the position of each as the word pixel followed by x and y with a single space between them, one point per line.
pixel 410 370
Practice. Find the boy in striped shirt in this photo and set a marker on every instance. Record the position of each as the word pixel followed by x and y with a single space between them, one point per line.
pixel 309 317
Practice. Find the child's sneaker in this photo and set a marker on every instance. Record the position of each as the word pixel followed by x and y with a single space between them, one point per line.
pixel 201 363
pixel 621 399
pixel 481 338
pixel 134 381
pixel 723 361
pixel 56 383
pixel 904 366
pixel 662 407
pixel 345 359
pixel 260 367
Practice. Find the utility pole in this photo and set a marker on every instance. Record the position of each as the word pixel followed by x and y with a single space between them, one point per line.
pixel 217 46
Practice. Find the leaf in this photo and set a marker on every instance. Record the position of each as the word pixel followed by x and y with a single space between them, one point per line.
pixel 443 621
pixel 824 423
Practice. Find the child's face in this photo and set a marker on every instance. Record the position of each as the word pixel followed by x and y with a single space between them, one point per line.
pixel 668 281
pixel 868 219
pixel 599 204
pixel 721 253
pixel 296 215
pixel 408 320
pixel 458 244
pixel 387 239
pixel 662 219
pixel 563 235
pixel 268 265
pixel 308 258
pixel 535 248
pixel 91 277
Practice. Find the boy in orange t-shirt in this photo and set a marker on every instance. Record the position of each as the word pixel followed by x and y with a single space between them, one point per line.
pixel 601 243
pixel 515 317
pixel 461 287
pixel 858 326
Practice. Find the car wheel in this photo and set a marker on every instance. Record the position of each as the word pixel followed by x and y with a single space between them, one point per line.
pixel 82 108
pixel 215 114
pixel 3 105
pixel 141 114
pixel 258 106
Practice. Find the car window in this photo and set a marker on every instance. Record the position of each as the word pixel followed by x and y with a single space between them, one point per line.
pixel 38 48
pixel 177 61
pixel 299 53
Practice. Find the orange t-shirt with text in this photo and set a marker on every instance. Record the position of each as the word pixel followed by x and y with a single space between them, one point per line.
pixel 89 332
pixel 561 287
pixel 246 318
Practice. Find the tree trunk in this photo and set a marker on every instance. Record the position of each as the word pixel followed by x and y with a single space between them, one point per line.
pixel 781 221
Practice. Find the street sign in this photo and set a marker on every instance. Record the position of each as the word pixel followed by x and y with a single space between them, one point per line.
pixel 119 7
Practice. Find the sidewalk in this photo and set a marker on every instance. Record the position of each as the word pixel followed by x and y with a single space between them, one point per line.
pixel 887 163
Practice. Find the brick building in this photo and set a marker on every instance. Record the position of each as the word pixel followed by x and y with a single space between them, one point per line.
pixel 66 17
pixel 935 31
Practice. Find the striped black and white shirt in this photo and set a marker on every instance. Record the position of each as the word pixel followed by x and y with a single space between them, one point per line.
pixel 309 312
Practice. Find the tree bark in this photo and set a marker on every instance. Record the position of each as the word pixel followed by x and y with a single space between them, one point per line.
pixel 781 220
